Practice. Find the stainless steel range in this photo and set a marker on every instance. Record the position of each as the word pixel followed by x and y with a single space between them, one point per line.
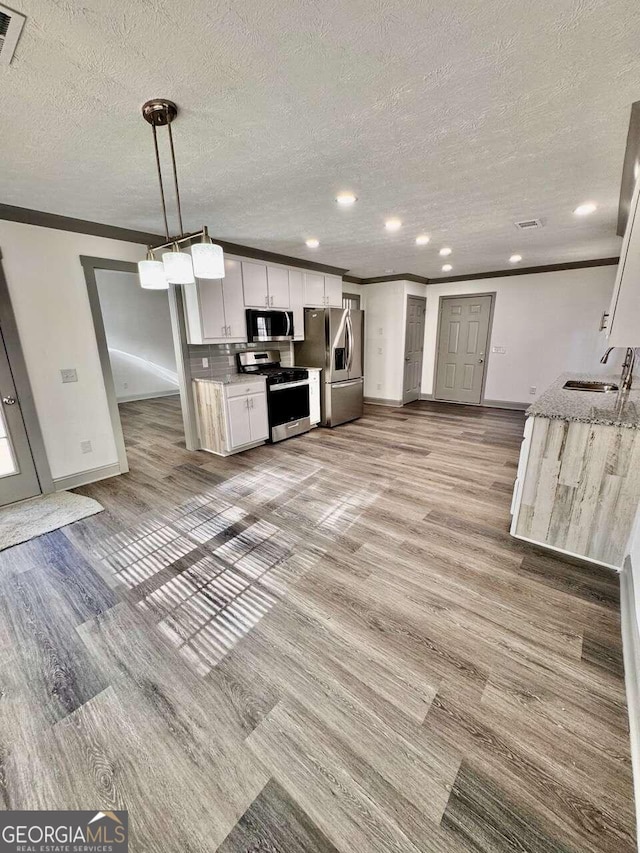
pixel 287 392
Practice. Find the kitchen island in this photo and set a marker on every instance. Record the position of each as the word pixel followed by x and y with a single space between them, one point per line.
pixel 578 484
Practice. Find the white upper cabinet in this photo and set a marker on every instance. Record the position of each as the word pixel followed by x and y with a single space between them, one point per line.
pixel 333 291
pixel 234 311
pixel 256 289
pixel 214 308
pixel 314 290
pixel 278 283
pixel 322 291
pixel 296 296
pixel 623 325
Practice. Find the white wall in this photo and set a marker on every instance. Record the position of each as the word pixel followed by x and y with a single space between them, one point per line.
pixel 548 323
pixel 49 296
pixel 138 328
pixel 384 306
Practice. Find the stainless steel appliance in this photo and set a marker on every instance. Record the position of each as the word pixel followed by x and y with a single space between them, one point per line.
pixel 333 340
pixel 269 325
pixel 287 392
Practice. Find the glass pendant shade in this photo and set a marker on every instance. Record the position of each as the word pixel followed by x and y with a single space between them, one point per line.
pixel 152 275
pixel 208 260
pixel 178 267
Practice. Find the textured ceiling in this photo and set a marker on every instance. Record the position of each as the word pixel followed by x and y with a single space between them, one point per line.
pixel 457 117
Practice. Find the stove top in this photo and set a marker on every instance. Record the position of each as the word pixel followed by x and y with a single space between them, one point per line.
pixel 277 375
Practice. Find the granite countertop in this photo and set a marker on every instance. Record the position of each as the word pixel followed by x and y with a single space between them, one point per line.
pixel 615 408
pixel 232 379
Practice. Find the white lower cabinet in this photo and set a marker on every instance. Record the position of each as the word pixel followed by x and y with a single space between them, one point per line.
pixel 314 396
pixel 231 417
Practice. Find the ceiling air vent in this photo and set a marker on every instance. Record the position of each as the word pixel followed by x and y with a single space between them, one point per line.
pixel 528 224
pixel 11 24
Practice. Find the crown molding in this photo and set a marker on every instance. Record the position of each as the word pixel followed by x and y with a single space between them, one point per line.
pixel 572 265
pixel 112 232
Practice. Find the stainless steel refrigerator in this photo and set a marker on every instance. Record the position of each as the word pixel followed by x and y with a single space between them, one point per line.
pixel 333 340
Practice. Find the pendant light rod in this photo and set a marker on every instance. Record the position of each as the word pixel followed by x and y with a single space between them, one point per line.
pixel 185 238
pixel 164 204
pixel 175 178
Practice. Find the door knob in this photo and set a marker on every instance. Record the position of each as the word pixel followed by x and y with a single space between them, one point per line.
pixel 9 401
pixel 481 361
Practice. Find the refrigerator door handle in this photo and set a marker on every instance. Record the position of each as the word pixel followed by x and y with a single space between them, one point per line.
pixel 350 340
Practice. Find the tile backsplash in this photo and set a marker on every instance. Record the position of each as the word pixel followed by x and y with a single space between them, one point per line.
pixel 222 357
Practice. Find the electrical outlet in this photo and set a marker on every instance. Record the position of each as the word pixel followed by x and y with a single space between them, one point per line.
pixel 380 330
pixel 379 350
pixel 85 446
pixel 205 362
pixel 69 374
pixel 378 387
pixel 125 385
pixel 532 389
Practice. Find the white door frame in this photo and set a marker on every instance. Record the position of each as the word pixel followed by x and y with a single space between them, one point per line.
pixel 441 300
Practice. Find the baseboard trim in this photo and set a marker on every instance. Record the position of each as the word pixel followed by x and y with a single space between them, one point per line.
pixel 505 404
pixel 151 395
pixel 631 654
pixel 426 396
pixel 381 401
pixel 82 478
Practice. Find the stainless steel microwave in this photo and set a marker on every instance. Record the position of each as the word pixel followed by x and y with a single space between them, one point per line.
pixel 269 325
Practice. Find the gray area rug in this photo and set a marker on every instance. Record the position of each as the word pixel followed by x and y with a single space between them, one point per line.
pixel 28 519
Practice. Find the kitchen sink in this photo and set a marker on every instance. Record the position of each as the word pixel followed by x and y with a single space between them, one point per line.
pixel 587 385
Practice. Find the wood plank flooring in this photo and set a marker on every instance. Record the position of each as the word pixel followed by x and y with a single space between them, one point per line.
pixel 330 644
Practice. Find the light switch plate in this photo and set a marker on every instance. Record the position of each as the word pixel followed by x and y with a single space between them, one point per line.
pixel 69 374
pixel 501 350
pixel 85 446
pixel 205 362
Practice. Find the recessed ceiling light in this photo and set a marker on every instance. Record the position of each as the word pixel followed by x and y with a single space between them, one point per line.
pixel 346 199
pixel 422 240
pixel 585 209
pixel 312 243
pixel 447 268
pixel 446 251
pixel 393 224
pixel 514 259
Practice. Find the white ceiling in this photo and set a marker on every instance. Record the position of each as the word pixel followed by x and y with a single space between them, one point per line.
pixel 457 117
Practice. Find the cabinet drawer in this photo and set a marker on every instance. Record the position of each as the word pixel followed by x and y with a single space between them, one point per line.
pixel 241 389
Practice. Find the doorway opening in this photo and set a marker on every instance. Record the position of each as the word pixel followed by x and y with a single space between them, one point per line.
pixel 413 348
pixel 140 347
pixel 464 332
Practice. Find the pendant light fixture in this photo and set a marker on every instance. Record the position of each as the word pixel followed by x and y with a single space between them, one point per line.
pixel 176 267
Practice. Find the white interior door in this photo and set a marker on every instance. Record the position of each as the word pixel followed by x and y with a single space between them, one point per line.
pixel 462 347
pixel 413 347
pixel 18 478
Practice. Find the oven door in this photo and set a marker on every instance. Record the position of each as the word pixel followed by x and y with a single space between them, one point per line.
pixel 269 325
pixel 289 412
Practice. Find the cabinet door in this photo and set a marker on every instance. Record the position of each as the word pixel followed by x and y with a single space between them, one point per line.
pixel 314 396
pixel 333 290
pixel 314 290
pixel 238 421
pixel 211 310
pixel 254 278
pixel 234 312
pixel 278 279
pixel 258 417
pixel 624 313
pixel 296 297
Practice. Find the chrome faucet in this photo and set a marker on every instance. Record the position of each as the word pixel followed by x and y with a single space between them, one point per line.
pixel 626 377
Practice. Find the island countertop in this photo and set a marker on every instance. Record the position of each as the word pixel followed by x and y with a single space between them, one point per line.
pixel 614 408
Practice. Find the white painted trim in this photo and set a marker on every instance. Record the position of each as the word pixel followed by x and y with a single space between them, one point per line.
pixel 631 654
pixel 72 481
pixel 505 404
pixel 150 395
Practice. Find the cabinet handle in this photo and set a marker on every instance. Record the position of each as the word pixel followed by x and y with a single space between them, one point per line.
pixel 266 301
pixel 228 331
pixel 603 321
pixel 246 402
pixel 271 300
pixel 224 331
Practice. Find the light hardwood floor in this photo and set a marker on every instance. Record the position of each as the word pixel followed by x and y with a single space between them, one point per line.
pixel 330 644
